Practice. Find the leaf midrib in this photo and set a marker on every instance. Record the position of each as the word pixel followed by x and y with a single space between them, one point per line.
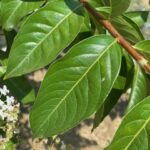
pixel 14 11
pixel 79 80
pixel 144 125
pixel 29 54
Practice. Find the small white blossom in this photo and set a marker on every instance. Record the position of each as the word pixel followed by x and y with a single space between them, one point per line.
pixel 1 103
pixel 10 100
pixel 8 107
pixel 4 91
pixel 4 107
pixel 10 119
pixel 3 115
pixel 9 110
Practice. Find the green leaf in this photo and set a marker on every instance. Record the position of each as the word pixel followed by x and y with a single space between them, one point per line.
pixel 32 0
pixel 104 11
pixel 13 10
pixel 20 89
pixel 139 17
pixel 127 65
pixel 111 100
pixel 127 28
pixel 2 70
pixel 105 109
pixel 134 131
pixel 0 13
pixel 120 83
pixel 41 40
pixel 75 85
pixel 139 88
pixel 143 47
pixel 118 6
pixel 96 3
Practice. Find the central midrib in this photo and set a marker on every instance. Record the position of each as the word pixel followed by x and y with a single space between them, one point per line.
pixel 61 101
pixel 15 10
pixel 19 64
pixel 144 125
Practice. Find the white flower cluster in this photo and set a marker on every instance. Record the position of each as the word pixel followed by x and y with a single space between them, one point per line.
pixel 9 111
pixel 7 106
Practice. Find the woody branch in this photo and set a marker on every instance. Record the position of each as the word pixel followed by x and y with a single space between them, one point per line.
pixel 143 62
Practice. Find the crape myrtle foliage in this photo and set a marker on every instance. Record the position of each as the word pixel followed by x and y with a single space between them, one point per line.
pixel 89 77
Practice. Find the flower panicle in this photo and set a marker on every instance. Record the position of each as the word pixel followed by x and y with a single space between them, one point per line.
pixel 9 110
pixel 8 105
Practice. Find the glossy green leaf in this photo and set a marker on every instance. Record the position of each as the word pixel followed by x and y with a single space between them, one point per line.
pixel 32 0
pixel 104 11
pixel 134 131
pixel 144 48
pixel 13 10
pixel 2 70
pixel 127 28
pixel 118 88
pixel 120 83
pixel 118 6
pixel 108 77
pixel 139 88
pixel 96 3
pixel 127 69
pixel 127 64
pixel 139 17
pixel 107 84
pixel 0 13
pixel 106 108
pixel 76 85
pixel 41 40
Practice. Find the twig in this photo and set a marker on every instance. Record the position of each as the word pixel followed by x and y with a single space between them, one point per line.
pixel 143 62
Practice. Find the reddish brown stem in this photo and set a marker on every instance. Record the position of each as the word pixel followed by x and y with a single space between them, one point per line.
pixel 121 40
